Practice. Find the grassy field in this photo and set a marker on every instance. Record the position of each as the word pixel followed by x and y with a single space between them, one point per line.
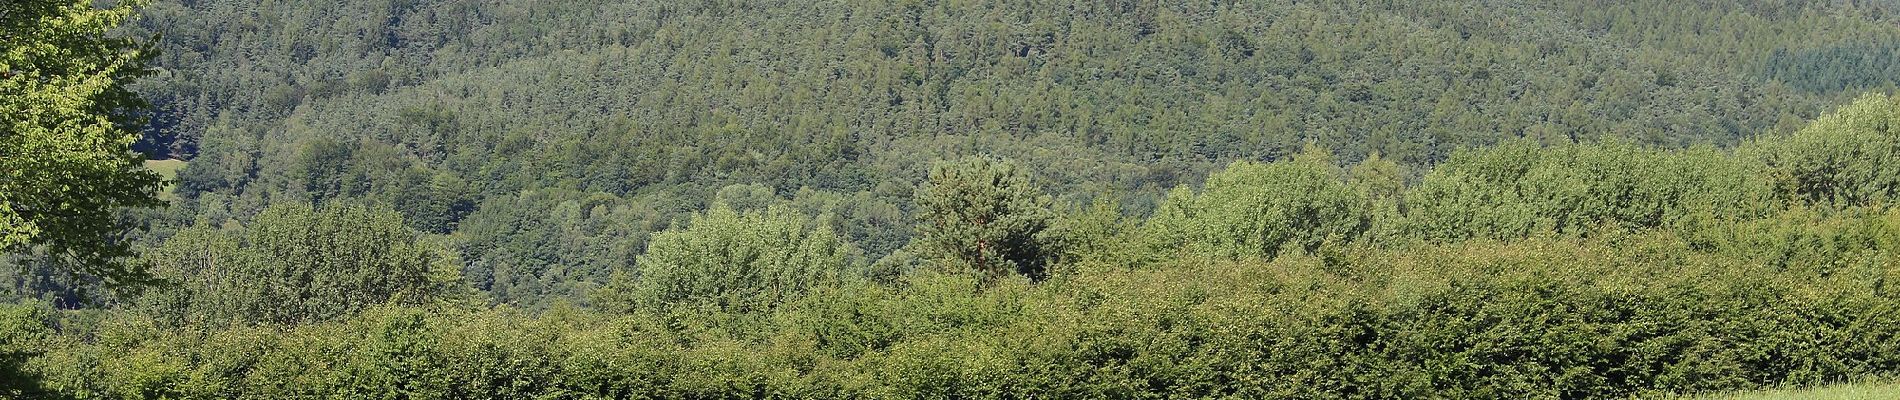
pixel 169 170
pixel 1882 390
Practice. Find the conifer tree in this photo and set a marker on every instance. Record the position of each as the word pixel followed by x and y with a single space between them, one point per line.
pixel 986 214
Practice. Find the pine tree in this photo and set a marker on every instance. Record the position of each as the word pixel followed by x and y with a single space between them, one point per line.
pixel 985 214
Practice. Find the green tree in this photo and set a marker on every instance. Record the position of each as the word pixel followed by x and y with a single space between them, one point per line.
pixel 296 264
pixel 732 261
pixel 1522 188
pixel 1382 182
pixel 1848 157
pixel 67 123
pixel 369 100
pixel 24 332
pixel 986 214
pixel 1255 210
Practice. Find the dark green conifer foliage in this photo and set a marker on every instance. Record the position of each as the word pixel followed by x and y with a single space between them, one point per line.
pixel 984 214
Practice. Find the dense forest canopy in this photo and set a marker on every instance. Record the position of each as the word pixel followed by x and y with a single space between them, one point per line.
pixel 549 138
pixel 583 199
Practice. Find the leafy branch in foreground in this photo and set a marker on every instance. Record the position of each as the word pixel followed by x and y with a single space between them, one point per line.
pixel 67 123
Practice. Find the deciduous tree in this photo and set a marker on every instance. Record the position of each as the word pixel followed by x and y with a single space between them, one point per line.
pixel 732 261
pixel 67 123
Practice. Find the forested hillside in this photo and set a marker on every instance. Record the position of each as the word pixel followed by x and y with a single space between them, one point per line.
pixel 581 199
pixel 550 137
pixel 1517 271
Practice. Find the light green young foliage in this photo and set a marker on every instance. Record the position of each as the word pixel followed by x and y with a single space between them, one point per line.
pixel 732 261
pixel 66 127
pixel 296 264
pixel 1382 182
pixel 1097 234
pixel 1520 188
pixel 24 333
pixel 1255 210
pixel 985 214
pixel 1849 157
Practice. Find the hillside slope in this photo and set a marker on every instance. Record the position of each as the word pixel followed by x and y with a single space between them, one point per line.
pixel 628 114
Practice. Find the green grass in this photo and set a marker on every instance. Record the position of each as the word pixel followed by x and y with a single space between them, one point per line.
pixel 1882 390
pixel 169 170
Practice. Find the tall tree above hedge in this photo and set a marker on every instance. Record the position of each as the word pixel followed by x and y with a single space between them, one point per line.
pixel 732 261
pixel 1848 157
pixel 1256 209
pixel 986 214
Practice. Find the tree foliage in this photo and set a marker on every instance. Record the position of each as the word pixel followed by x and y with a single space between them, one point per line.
pixel 1602 270
pixel 1254 210
pixel 66 128
pixel 726 260
pixel 25 333
pixel 986 215
pixel 1567 318
pixel 662 104
pixel 1848 157
pixel 1371 200
pixel 296 264
pixel 1520 189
